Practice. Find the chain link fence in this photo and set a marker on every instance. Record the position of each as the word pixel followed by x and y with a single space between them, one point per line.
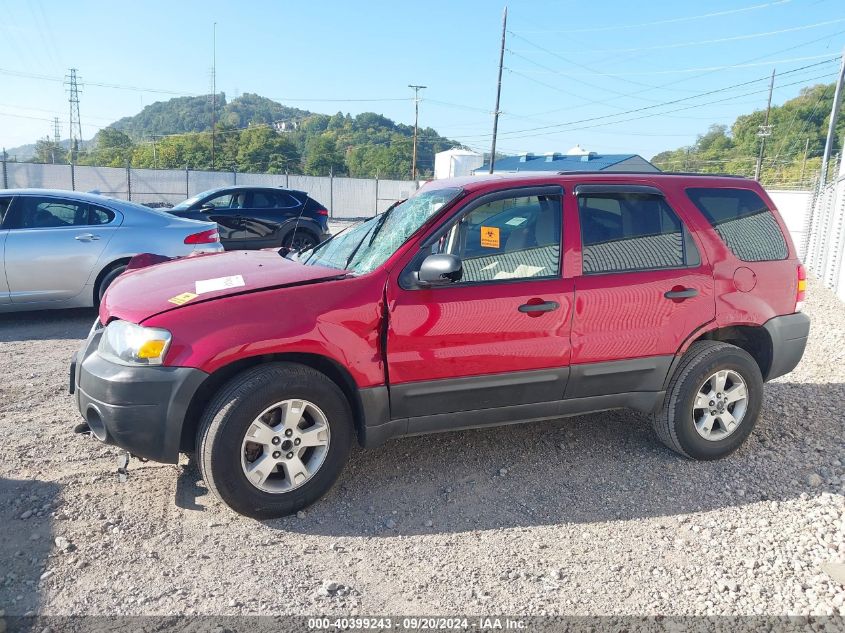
pixel 345 198
pixel 824 239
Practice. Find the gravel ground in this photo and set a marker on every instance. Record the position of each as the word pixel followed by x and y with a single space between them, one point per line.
pixel 588 515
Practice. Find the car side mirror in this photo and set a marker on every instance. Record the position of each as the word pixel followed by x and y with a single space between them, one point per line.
pixel 207 207
pixel 440 270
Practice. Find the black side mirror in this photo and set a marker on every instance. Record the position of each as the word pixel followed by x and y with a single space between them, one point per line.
pixel 440 270
pixel 207 207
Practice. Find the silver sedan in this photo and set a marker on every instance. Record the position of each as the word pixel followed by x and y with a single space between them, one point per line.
pixel 61 249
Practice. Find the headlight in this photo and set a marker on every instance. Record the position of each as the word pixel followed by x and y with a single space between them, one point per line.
pixel 130 344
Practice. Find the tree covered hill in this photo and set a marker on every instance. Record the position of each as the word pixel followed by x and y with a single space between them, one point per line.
pixel 193 114
pixel 256 134
pixel 800 123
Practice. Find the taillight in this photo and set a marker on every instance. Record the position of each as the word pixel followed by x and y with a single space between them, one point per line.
pixel 324 212
pixel 211 236
pixel 802 288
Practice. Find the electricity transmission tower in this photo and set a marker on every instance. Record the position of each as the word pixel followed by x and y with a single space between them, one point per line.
pixel 56 139
pixel 72 82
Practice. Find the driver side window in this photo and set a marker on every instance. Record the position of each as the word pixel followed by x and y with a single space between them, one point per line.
pixel 512 238
pixel 220 202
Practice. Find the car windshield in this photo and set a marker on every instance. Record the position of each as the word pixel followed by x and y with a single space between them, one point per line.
pixel 368 245
pixel 187 203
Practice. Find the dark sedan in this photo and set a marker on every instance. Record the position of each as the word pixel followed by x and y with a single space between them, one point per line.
pixel 260 217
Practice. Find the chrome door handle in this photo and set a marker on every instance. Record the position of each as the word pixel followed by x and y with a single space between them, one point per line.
pixel 686 293
pixel 546 306
pixel 87 237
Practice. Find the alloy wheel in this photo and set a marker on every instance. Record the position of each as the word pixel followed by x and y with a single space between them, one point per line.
pixel 285 446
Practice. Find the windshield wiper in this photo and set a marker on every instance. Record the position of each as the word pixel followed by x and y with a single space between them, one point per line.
pixel 373 233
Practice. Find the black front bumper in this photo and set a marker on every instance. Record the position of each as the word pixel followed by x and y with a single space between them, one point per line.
pixel 140 409
pixel 789 338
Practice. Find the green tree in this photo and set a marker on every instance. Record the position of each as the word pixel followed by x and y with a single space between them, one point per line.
pixel 48 151
pixel 322 156
pixel 263 150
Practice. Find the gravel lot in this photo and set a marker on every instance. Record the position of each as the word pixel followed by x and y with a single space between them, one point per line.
pixel 587 515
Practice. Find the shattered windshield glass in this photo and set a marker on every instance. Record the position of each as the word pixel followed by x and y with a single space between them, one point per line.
pixel 367 246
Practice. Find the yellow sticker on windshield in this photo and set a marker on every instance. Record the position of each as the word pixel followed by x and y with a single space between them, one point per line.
pixel 182 298
pixel 490 236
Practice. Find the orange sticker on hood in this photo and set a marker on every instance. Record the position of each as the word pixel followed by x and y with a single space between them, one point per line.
pixel 182 298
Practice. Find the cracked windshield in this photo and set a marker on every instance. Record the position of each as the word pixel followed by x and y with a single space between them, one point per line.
pixel 365 247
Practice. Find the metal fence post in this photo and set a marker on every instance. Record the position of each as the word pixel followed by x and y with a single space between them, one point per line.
pixel 331 192
pixel 128 180
pixel 376 201
pixel 72 177
pixel 287 180
pixel 5 173
pixel 234 175
pixel 187 181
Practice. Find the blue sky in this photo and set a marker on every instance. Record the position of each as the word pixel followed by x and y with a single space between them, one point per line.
pixel 580 66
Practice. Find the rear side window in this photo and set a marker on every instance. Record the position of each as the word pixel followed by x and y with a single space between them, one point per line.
pixel 264 200
pixel 743 221
pixel 98 215
pixel 632 231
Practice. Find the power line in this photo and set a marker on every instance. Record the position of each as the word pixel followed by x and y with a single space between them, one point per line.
pixel 659 105
pixel 734 38
pixel 687 70
pixel 668 21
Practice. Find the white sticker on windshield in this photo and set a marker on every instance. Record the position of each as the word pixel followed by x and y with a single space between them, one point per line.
pixel 220 283
pixel 517 221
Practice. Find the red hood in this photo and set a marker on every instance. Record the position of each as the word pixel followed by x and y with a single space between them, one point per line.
pixel 139 294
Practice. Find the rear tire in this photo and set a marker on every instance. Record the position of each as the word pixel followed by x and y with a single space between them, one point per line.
pixel 244 408
pixel 700 421
pixel 299 240
pixel 106 281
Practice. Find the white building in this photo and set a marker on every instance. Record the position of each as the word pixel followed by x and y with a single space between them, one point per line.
pixel 456 162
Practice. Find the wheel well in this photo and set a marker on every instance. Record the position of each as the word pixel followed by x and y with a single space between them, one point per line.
pixel 105 271
pixel 305 228
pixel 753 339
pixel 334 371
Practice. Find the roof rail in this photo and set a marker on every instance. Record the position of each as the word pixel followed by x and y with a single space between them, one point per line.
pixel 650 173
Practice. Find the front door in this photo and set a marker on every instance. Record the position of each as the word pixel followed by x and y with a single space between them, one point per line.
pixel 645 288
pixel 53 246
pixel 498 337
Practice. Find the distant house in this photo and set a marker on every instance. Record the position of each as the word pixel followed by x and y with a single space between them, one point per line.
pixel 576 159
pixel 285 126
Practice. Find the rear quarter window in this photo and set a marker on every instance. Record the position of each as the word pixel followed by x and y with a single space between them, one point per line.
pixel 743 221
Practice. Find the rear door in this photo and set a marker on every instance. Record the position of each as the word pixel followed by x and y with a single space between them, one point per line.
pixel 645 287
pixel 5 204
pixel 263 218
pixel 499 336
pixel 53 245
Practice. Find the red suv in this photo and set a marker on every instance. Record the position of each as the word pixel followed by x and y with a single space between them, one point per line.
pixel 476 302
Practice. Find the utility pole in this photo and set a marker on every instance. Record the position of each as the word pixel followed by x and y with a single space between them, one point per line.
pixel 213 90
pixel 498 90
pixel 764 130
pixel 416 124
pixel 71 81
pixel 804 162
pixel 831 129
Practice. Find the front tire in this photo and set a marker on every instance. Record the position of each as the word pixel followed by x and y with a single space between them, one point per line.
pixel 274 440
pixel 106 281
pixel 712 401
